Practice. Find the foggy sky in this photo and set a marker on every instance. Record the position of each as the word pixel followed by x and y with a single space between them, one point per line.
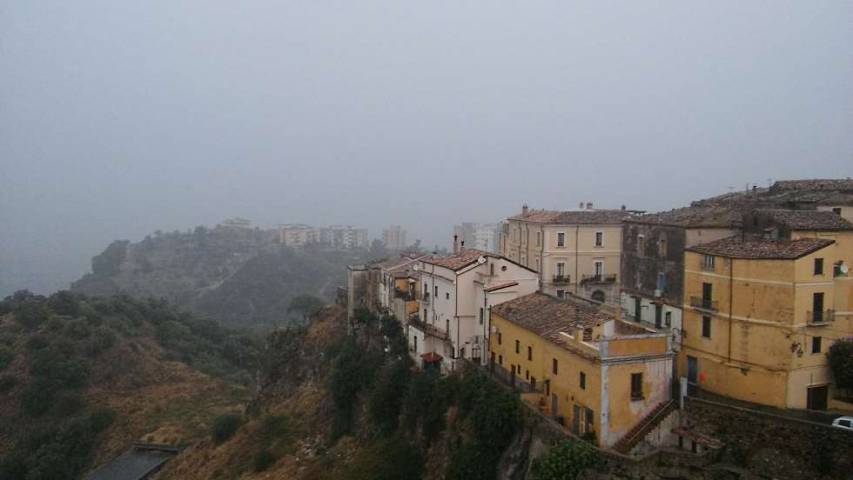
pixel 121 118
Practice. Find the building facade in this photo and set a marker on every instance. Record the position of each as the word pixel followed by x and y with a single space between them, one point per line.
pixel 762 308
pixel 394 238
pixel 594 373
pixel 479 236
pixel 455 293
pixel 574 251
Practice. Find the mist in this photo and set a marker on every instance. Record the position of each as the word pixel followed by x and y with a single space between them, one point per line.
pixel 121 118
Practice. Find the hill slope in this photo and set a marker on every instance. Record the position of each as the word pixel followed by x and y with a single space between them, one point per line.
pixel 81 378
pixel 236 276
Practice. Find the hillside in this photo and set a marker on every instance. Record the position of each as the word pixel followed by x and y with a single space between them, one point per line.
pixel 81 378
pixel 237 276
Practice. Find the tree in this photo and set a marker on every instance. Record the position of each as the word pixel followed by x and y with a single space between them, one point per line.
pixel 377 250
pixel 840 358
pixel 565 461
pixel 306 305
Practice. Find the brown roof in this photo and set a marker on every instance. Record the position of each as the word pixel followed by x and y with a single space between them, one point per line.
pixel 693 217
pixel 835 184
pixel 823 220
pixel 456 261
pixel 548 316
pixel 762 249
pixel 574 217
pixel 500 286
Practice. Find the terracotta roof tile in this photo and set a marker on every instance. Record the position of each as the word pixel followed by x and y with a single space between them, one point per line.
pixel 694 217
pixel 823 220
pixel 762 249
pixel 548 316
pixel 574 217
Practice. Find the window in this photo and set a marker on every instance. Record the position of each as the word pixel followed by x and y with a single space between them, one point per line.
pixel 661 283
pixel 599 239
pixel 836 210
pixel 436 291
pixel 492 269
pixel 816 344
pixel 582 380
pixel 561 239
pixel 530 353
pixel 537 264
pixel 561 294
pixel 707 262
pixel 668 319
pixel 662 246
pixel 561 269
pixel 641 245
pixel 818 266
pixel 538 239
pixel 517 346
pixel 416 343
pixel 447 326
pixel 500 338
pixel 425 315
pixel 554 366
pixel 599 268
pixel 527 374
pixel 817 307
pixel 500 359
pixel 636 386
pixel 706 326
pixel 482 314
pixel 447 296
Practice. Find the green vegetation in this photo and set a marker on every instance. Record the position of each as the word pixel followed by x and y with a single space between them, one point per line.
pixel 565 461
pixel 61 340
pixel 263 460
pixel 840 358
pixel 225 426
pixel 305 305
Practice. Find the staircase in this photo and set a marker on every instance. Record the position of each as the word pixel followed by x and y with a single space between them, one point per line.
pixel 646 425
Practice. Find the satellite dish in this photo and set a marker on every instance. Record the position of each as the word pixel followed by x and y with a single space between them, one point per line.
pixel 481 260
pixel 843 268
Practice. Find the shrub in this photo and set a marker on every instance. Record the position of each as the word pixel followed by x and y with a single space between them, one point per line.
pixel 385 401
pixel 263 460
pixel 225 426
pixel 274 427
pixel 37 398
pixel 840 359
pixel 565 460
pixel 8 382
pixel 7 355
pixel 102 340
pixel 101 419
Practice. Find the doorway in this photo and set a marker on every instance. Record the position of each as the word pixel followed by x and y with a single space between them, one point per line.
pixel 817 397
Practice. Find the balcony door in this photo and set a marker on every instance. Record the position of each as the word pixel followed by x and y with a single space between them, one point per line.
pixel 707 291
pixel 817 307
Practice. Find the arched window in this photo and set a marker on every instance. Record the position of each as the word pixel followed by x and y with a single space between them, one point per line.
pixel 598 296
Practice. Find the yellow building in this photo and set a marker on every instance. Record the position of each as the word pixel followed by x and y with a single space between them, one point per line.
pixel 574 251
pixel 761 312
pixel 581 365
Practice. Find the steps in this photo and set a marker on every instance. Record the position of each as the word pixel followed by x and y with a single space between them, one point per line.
pixel 646 425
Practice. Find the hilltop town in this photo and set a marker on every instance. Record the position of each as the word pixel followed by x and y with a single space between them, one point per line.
pixel 609 321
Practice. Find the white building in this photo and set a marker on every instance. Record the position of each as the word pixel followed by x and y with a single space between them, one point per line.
pixel 455 294
pixel 479 236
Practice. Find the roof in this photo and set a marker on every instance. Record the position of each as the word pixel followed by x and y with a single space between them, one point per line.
pixel 548 316
pixel 457 261
pixel 761 249
pixel 834 184
pixel 693 216
pixel 134 464
pixel 574 217
pixel 824 220
pixel 500 286
pixel 431 357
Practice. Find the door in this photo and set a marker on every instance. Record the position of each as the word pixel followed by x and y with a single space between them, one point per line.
pixel 817 307
pixel 707 291
pixel 638 309
pixel 692 373
pixel 576 420
pixel 555 404
pixel 817 397
pixel 658 316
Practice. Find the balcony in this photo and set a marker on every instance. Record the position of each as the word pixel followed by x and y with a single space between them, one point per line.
pixel 562 279
pixel 427 329
pixel 703 304
pixel 404 295
pixel 820 317
pixel 597 278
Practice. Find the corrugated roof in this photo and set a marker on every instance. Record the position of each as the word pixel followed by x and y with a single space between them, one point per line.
pixel 762 249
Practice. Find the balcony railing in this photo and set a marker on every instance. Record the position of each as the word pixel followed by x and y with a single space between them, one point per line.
pixel 703 303
pixel 404 295
pixel 427 329
pixel 562 279
pixel 598 278
pixel 820 317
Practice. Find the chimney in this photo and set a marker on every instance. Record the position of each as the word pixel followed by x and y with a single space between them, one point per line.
pixel 524 210
pixel 455 244
pixel 589 205
pixel 462 247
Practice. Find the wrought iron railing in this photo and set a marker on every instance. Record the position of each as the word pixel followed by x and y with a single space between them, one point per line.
pixel 703 303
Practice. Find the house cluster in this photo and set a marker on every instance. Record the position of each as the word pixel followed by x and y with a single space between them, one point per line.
pixel 602 317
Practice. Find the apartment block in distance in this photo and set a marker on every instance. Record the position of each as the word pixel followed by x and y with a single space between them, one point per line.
pixel 594 373
pixel 575 251
pixel 394 238
pixel 762 308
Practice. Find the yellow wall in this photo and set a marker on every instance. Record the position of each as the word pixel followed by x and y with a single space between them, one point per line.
pixel 760 348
